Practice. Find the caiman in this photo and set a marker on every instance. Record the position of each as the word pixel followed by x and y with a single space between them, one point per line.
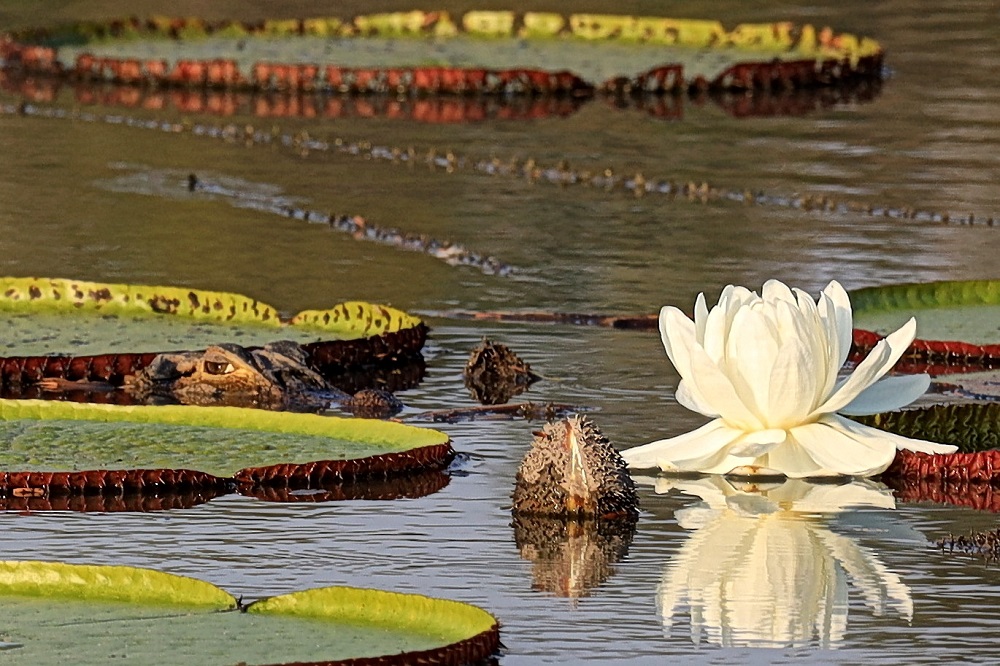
pixel 276 376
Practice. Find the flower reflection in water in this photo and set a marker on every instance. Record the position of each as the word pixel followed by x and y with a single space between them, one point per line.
pixel 762 568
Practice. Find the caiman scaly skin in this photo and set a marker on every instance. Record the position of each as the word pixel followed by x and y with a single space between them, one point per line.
pixel 276 376
pixel 572 471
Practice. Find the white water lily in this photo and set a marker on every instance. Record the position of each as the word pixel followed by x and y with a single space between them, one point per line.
pixel 765 367
pixel 763 569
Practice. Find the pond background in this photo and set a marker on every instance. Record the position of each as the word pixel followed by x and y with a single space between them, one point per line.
pixel 930 140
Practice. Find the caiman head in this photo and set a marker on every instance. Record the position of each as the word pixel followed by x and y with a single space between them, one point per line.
pixel 276 376
pixel 572 471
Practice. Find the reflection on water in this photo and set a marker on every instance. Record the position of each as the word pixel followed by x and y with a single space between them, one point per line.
pixel 571 557
pixel 436 109
pixel 763 569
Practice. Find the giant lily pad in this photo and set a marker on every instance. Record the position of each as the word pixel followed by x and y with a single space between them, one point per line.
pixel 964 310
pixel 406 51
pixel 57 613
pixel 958 323
pixel 106 331
pixel 45 315
pixel 46 436
pixel 970 426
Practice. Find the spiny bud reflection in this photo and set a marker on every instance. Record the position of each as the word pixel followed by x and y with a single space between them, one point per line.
pixel 575 508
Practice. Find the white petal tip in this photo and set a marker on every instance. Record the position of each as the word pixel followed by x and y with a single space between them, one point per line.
pixel 919 446
pixel 637 458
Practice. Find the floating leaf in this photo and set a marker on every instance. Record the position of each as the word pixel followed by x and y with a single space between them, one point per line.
pixel 438 620
pixel 59 613
pixel 965 310
pixel 37 295
pixel 388 52
pixel 383 433
pixel 946 468
pixel 969 426
pixel 62 295
pixel 47 317
pixel 356 319
pixel 106 583
pixel 55 436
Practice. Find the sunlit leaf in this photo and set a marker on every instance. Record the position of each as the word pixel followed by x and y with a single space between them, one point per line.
pixel 960 310
pixel 55 436
pixel 57 613
pixel 55 580
pixel 599 48
pixel 439 620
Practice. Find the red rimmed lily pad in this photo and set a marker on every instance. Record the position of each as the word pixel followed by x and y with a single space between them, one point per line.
pixel 434 52
pixel 112 330
pixel 958 322
pixel 197 449
pixel 92 614
pixel 969 426
pixel 146 491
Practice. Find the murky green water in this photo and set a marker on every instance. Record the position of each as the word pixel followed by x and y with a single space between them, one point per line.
pixel 930 140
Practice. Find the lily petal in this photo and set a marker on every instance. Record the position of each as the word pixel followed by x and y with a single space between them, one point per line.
pixel 775 290
pixel 677 335
pixel 843 449
pixel 704 382
pixel 841 319
pixel 888 394
pixel 700 318
pixel 878 362
pixel 859 431
pixel 752 351
pixel 757 443
pixel 673 453
pixel 693 400
pixel 792 385
pixel 717 389
pixel 794 461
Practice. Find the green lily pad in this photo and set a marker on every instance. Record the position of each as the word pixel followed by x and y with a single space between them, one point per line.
pixel 971 426
pixel 968 310
pixel 61 613
pixel 592 62
pixel 42 435
pixel 109 584
pixel 436 620
pixel 55 315
pixel 596 47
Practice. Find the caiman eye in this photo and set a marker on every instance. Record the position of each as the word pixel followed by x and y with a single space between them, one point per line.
pixel 214 368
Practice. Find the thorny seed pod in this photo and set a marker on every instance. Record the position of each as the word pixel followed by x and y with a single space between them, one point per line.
pixel 572 471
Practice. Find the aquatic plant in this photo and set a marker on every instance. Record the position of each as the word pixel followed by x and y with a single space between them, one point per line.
pixel 166 618
pixel 765 368
pixel 573 472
